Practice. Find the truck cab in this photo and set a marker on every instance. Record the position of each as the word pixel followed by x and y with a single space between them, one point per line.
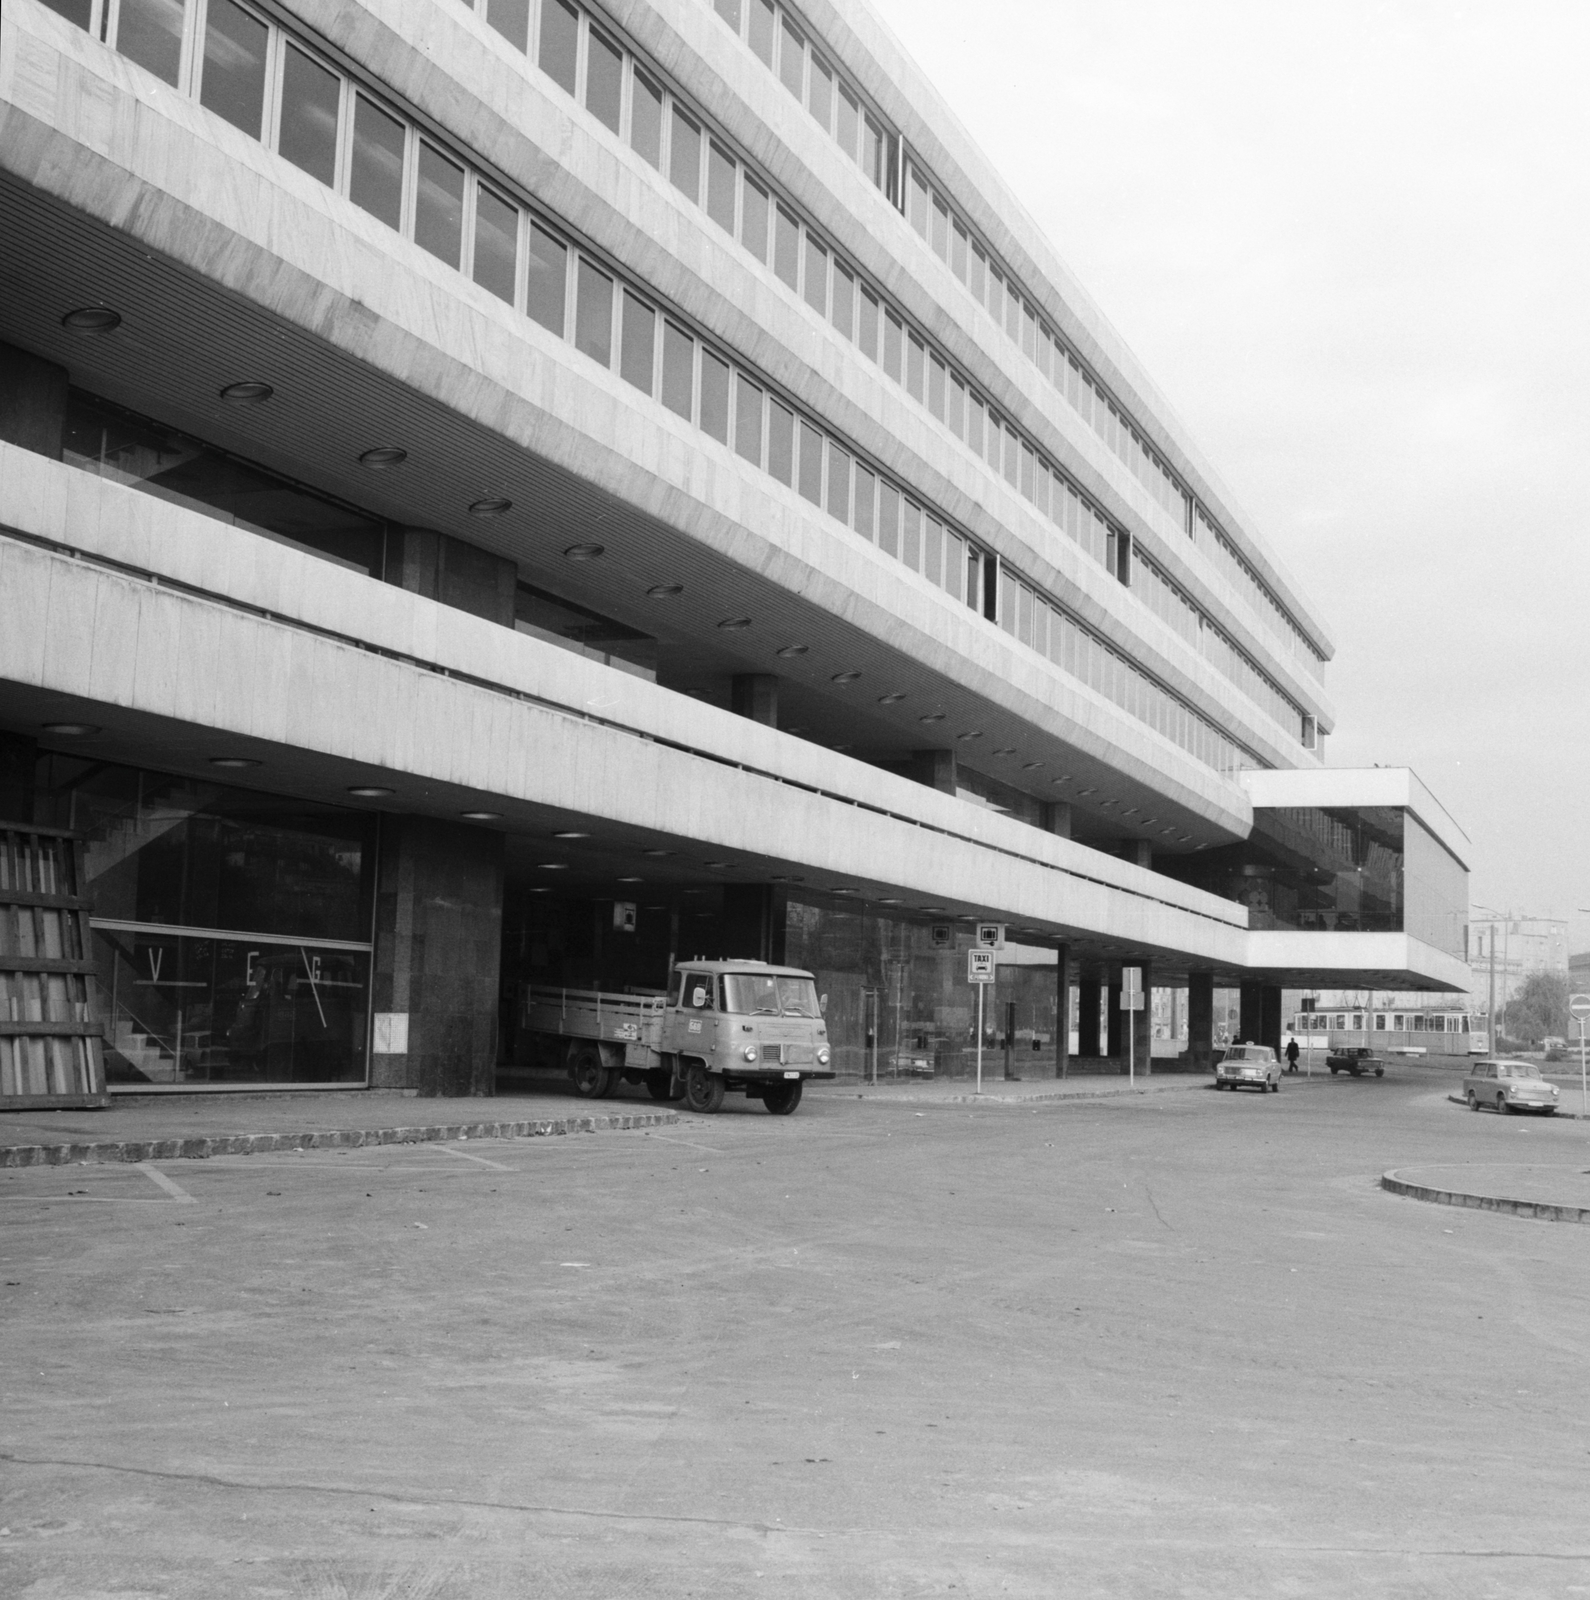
pixel 746 1026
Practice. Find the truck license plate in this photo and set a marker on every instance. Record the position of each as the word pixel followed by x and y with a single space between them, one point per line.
pixel 791 1074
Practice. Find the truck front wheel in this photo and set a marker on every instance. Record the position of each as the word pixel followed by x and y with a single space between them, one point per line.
pixel 782 1098
pixel 703 1089
pixel 592 1080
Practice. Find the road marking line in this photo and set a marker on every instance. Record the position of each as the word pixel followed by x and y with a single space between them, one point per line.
pixel 161 1181
pixel 465 1155
pixel 711 1149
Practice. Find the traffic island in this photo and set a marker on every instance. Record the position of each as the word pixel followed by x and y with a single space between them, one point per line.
pixel 1547 1194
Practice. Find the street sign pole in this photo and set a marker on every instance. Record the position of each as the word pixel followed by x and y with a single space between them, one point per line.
pixel 1579 1010
pixel 981 988
pixel 981 970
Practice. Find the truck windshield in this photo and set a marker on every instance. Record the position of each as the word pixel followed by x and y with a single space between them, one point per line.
pixel 768 995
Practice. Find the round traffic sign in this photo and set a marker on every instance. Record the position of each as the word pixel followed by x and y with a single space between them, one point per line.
pixel 1579 1006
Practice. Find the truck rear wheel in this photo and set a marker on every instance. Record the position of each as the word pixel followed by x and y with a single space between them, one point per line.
pixel 591 1079
pixel 782 1098
pixel 703 1089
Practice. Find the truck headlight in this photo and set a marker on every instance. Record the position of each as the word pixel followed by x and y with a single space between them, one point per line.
pixel 822 1055
pixel 749 1052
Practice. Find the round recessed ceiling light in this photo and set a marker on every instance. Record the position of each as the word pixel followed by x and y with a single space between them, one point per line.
pixel 785 877
pixel 658 855
pixel 845 677
pixel 571 833
pixel 841 749
pixel 541 888
pixel 1130 811
pixel 974 734
pixel 73 730
pixel 1164 831
pixel 248 393
pixel 734 624
pixel 844 888
pixel 1091 789
pixel 720 866
pixel 666 591
pixel 891 900
pixel 481 816
pixel 932 716
pixel 493 505
pixel 1032 766
pixel 368 791
pixel 585 552
pixel 631 880
pixel 1009 750
pixel 92 319
pixel 233 763
pixel 382 456
pixel 791 650
pixel 933 911
pixel 891 699
pixel 552 866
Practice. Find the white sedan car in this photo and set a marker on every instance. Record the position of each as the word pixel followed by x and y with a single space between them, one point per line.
pixel 1249 1066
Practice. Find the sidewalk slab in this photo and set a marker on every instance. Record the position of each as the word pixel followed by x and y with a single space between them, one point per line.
pixel 169 1129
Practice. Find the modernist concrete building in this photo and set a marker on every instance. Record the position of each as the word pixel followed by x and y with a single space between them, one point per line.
pixel 514 494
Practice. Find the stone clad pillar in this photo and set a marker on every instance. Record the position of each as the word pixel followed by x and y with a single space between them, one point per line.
pixel 755 695
pixel 935 769
pixel 1201 1021
pixel 1088 996
pixel 440 567
pixel 1114 1032
pixel 438 957
pixel 1062 1014
pixel 1142 1022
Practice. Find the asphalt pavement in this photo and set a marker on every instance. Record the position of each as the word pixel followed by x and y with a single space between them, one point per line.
pixel 1175 1343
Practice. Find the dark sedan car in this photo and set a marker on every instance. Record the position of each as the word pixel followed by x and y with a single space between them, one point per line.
pixel 1356 1059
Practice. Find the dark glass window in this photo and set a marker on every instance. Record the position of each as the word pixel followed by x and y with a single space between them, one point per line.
pixel 640 343
pixel 150 33
pixel 511 18
pixel 560 42
pixel 811 464
pixel 645 119
pixel 820 94
pixel 888 518
pixel 816 277
pixel 547 291
pixel 80 12
pixel 439 206
pixel 684 155
pixel 762 26
pixel 867 332
pixel 593 314
pixel 496 264
pixel 893 345
pixel 781 442
pixel 604 80
pixel 792 61
pixel 715 396
pixel 914 357
pixel 842 311
pixel 145 455
pixel 311 96
pixel 588 633
pixel 787 247
pixel 679 371
pixel 234 66
pixel 376 179
pixel 847 122
pixel 753 219
pixel 721 175
pixel 747 419
pixel 866 487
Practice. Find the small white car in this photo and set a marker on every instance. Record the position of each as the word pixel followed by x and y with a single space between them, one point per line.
pixel 1249 1066
pixel 1509 1086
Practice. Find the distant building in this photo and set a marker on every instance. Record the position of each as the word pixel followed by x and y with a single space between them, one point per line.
pixel 1506 949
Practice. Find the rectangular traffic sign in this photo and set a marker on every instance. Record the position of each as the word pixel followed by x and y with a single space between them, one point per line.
pixel 991 935
pixel 980 966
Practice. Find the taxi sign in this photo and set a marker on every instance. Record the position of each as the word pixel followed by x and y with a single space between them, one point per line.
pixel 980 966
pixel 1579 1006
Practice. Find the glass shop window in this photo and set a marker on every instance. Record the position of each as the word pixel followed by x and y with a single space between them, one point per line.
pixel 375 181
pixel 233 84
pixel 439 206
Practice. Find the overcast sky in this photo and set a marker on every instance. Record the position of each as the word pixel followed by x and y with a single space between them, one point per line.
pixel 1348 241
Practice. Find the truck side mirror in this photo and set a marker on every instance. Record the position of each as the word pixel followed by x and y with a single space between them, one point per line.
pixel 822 1004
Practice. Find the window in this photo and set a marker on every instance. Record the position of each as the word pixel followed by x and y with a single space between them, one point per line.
pixel 820 94
pixel 786 248
pixel 842 311
pixel 375 181
pixel 679 371
pixel 496 265
pixel 234 66
pixel 638 353
pixel 914 357
pixel 721 175
pixel 511 18
pixel 593 314
pixel 645 119
pixel 547 292
pixel 684 156
pixel 439 206
pixel 838 483
pixel 941 229
pixel 911 537
pixel 747 419
pixel 604 80
pixel 311 98
pixel 816 277
pixel 729 10
pixel 888 518
pixel 792 61
pixel 715 393
pixel 560 42
pixel 935 394
pixel 847 120
pixel 958 252
pixel 872 150
pixel 753 219
pixel 149 32
pixel 866 495
pixel 893 338
pixel 867 331
pixel 916 202
pixel 781 442
pixel 811 464
pixel 762 26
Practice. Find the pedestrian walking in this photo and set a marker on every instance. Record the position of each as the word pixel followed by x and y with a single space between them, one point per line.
pixel 1291 1055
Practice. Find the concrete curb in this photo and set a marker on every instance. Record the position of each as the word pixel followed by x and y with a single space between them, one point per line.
pixel 1001 1099
pixel 253 1144
pixel 1540 1210
pixel 1558 1114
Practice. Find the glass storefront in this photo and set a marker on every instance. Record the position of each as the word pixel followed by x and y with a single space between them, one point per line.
pixel 232 929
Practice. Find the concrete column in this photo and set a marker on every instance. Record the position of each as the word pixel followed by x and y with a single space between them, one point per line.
pixel 443 568
pixel 755 695
pixel 1088 996
pixel 1062 1014
pixel 18 754
pixel 438 957
pixel 1142 1022
pixel 32 402
pixel 1201 1021
pixel 1114 1032
pixel 1057 818
pixel 935 768
pixel 1138 851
